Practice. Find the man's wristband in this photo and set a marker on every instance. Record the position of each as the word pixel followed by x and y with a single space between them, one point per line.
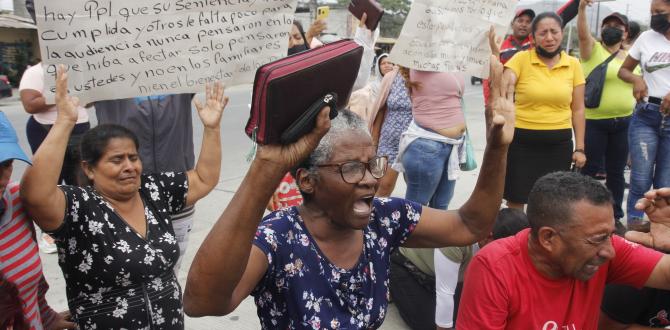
pixel 580 151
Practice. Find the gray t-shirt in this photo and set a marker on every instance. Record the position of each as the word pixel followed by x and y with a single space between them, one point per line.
pixel 163 126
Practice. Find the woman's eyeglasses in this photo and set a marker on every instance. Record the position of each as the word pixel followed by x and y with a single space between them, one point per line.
pixel 354 171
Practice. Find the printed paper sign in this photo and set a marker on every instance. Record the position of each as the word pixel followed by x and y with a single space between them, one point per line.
pixel 451 36
pixel 126 48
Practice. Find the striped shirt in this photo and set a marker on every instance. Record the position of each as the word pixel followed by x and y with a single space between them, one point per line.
pixel 20 260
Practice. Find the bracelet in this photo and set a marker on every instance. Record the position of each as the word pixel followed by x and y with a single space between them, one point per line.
pixel 580 151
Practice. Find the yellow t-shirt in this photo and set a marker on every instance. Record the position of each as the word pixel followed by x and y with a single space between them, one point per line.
pixel 617 99
pixel 543 95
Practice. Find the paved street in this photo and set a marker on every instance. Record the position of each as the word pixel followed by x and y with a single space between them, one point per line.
pixel 236 145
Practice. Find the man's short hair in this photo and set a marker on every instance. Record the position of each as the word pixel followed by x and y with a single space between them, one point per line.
pixel 509 222
pixel 551 201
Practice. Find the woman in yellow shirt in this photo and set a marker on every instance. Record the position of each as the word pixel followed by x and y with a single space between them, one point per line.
pixel 549 87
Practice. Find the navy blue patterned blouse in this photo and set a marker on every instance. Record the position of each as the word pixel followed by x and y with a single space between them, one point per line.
pixel 303 290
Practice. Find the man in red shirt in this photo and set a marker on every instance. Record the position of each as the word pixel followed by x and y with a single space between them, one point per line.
pixel 552 276
pixel 517 41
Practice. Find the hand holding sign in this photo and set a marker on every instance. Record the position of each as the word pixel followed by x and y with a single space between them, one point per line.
pixel 126 48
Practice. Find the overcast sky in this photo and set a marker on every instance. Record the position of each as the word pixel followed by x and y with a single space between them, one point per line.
pixel 637 9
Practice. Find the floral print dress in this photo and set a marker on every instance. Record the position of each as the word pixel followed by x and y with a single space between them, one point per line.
pixel 398 117
pixel 115 278
pixel 303 290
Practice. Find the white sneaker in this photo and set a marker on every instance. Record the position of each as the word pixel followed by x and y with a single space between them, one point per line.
pixel 47 244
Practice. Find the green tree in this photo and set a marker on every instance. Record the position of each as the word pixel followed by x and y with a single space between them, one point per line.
pixel 395 12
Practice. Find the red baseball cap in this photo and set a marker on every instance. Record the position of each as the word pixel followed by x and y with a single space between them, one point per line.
pixel 520 12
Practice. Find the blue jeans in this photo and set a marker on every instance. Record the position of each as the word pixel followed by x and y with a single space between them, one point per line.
pixel 649 143
pixel 426 163
pixel 606 143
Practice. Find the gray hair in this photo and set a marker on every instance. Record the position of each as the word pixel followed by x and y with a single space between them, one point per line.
pixel 346 122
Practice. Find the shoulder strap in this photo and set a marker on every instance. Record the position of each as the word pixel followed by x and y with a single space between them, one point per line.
pixel 609 59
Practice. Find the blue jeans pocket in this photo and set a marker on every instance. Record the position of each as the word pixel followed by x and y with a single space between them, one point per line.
pixel 648 113
pixel 426 146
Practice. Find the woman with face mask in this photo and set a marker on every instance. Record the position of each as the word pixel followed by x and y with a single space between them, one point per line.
pixel 297 40
pixel 649 132
pixel 606 136
pixel 549 86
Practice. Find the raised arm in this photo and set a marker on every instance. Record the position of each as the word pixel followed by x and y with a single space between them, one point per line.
pixel 586 41
pixel 39 190
pixel 626 74
pixel 227 267
pixel 205 176
pixel 474 220
pixel 367 39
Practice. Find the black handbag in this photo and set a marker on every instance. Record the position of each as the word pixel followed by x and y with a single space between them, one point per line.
pixel 595 83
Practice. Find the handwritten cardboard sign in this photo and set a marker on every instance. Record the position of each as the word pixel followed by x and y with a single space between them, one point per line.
pixel 451 36
pixel 126 48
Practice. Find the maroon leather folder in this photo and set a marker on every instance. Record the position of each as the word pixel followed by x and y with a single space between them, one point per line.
pixel 371 7
pixel 283 90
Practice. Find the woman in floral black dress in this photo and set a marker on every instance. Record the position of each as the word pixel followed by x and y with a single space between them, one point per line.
pixel 116 243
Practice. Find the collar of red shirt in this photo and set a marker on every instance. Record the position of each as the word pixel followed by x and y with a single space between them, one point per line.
pixel 510 42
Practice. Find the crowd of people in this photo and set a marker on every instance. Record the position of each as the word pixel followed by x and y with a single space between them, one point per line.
pixel 118 199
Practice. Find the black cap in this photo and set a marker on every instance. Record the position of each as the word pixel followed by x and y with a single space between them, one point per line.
pixel 623 19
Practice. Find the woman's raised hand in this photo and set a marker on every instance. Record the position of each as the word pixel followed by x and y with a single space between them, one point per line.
pixel 67 105
pixel 501 131
pixel 285 157
pixel 210 113
pixel 584 3
pixel 494 42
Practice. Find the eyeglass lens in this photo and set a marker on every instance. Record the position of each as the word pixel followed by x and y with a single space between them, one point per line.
pixel 353 172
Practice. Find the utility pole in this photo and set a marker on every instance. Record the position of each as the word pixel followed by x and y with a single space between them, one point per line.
pixel 598 20
pixel 312 8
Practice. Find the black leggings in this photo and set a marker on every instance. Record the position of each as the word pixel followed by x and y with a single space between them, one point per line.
pixel 37 132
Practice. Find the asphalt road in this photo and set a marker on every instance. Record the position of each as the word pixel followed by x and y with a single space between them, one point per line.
pixel 236 145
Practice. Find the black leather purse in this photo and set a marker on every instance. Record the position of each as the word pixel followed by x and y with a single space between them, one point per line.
pixel 595 83
pixel 285 89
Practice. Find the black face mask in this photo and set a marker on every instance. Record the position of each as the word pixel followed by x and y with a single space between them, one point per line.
pixel 611 36
pixel 297 49
pixel 546 54
pixel 659 23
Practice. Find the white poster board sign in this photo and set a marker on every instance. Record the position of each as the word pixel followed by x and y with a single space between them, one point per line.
pixel 451 35
pixel 126 48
